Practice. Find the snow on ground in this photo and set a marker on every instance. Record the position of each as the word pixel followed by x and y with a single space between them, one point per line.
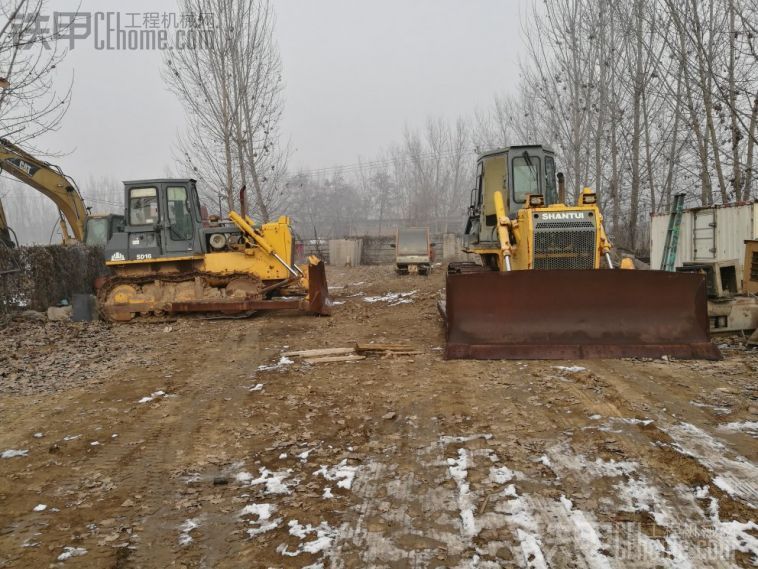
pixel 734 474
pixel 69 552
pixel 152 396
pixel 283 362
pixel 392 298
pixel 342 473
pixel 186 529
pixel 749 427
pixel 273 481
pixel 13 453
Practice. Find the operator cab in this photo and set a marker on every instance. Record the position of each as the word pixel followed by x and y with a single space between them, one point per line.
pixel 517 172
pixel 162 219
pixel 100 228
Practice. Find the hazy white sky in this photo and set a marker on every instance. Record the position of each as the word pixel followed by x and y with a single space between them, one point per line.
pixel 355 71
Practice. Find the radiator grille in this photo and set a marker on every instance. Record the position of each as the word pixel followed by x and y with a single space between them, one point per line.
pixel 564 245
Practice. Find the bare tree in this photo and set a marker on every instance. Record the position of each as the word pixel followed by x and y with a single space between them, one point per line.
pixel 29 55
pixel 230 85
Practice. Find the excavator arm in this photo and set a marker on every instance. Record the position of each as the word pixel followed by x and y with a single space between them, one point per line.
pixel 5 231
pixel 49 180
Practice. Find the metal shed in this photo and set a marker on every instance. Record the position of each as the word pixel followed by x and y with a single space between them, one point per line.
pixel 707 234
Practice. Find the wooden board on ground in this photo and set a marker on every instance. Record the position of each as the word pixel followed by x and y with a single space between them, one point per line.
pixel 319 352
pixel 330 359
pixel 376 348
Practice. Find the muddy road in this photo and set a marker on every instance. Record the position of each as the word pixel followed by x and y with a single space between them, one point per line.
pixel 196 444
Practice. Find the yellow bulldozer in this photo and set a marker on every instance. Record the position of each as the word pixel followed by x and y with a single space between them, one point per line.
pixel 546 287
pixel 171 258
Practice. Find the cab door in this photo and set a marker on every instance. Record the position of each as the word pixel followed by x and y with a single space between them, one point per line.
pixel 179 225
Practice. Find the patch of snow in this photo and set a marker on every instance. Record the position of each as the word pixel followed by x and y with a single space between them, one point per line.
pixel 38 435
pixel 303 456
pixel 283 361
pixel 153 395
pixel 570 369
pixel 257 387
pixel 715 408
pixel 545 460
pixel 342 473
pixel 595 417
pixel 95 443
pixel 568 504
pixel 328 493
pixel 530 548
pixel 458 469
pixel 263 523
pixel 274 481
pixel 392 298
pixel 587 538
pixel 324 537
pixel 446 440
pixel 734 474
pixel 283 456
pixel 71 437
pixel 69 552
pixel 40 507
pixel 13 453
pixel 749 427
pixel 185 529
pixel 501 475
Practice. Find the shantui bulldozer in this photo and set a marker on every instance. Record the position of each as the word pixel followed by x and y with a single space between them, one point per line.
pixel 92 229
pixel 169 258
pixel 546 287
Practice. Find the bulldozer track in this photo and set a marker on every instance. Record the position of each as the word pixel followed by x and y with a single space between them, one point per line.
pixel 113 282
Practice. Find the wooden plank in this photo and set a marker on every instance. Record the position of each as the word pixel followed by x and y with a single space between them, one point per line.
pixel 330 359
pixel 364 348
pixel 319 352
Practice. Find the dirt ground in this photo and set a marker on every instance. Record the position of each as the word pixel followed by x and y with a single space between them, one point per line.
pixel 195 444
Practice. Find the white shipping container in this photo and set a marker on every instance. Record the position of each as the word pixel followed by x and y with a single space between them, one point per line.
pixel 707 234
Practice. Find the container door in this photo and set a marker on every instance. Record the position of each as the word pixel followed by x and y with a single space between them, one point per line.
pixel 704 235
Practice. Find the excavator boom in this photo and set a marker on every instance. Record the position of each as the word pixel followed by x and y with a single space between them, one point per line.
pixel 49 180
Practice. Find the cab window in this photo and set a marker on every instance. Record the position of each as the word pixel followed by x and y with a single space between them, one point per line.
pixel 178 213
pixel 551 193
pixel 525 177
pixel 143 206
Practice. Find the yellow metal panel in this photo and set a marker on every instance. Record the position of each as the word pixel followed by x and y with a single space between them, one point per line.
pixel 155 260
pixel 256 262
pixel 494 181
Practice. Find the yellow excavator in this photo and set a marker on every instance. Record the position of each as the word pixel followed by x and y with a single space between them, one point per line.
pixel 546 287
pixel 170 258
pixel 94 230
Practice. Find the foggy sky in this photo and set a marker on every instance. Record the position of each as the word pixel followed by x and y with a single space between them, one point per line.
pixel 355 73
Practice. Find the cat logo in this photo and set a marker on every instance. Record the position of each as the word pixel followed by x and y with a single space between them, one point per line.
pixel 117 256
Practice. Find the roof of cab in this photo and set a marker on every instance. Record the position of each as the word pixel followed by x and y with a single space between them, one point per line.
pixel 158 181
pixel 499 151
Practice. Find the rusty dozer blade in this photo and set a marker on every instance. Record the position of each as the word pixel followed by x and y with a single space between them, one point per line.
pixel 577 314
pixel 318 290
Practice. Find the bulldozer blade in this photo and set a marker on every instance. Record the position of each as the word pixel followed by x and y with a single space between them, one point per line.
pixel 318 290
pixel 577 314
